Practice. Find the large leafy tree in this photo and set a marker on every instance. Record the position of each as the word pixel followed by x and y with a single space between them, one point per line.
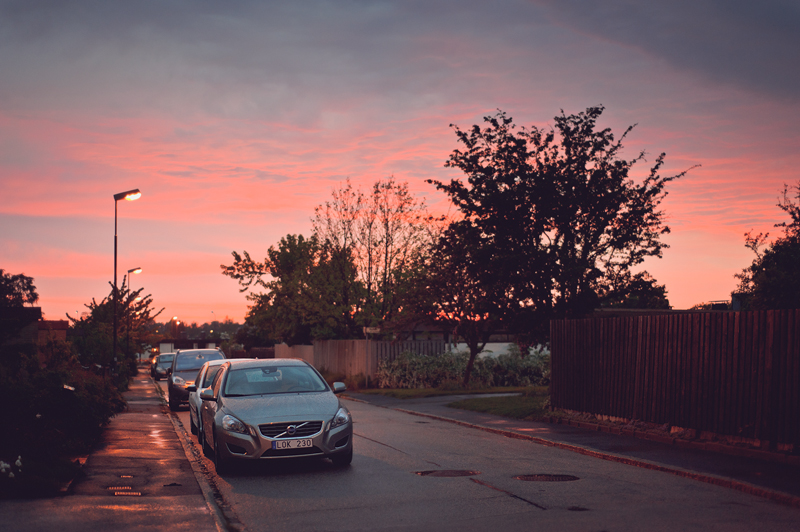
pixel 303 298
pixel 553 215
pixel 772 281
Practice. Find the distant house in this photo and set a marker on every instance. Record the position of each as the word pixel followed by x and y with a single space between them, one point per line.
pixel 52 329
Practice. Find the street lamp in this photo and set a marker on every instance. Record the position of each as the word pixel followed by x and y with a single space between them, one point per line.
pixel 128 330
pixel 129 195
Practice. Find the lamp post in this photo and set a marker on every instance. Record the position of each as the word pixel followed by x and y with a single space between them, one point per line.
pixel 129 195
pixel 136 271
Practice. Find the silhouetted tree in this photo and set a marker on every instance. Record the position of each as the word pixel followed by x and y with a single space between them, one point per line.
pixel 772 281
pixel 550 213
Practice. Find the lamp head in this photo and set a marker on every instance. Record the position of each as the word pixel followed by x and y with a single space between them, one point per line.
pixel 135 270
pixel 129 195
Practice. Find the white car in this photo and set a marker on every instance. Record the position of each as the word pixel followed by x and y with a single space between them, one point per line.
pixel 203 380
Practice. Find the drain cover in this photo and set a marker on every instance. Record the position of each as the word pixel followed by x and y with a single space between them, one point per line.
pixel 448 473
pixel 546 478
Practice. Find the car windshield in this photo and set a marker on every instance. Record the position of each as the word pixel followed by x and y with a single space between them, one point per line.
pixel 273 379
pixel 165 360
pixel 195 361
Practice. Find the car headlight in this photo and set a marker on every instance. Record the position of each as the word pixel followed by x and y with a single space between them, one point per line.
pixel 342 417
pixel 177 381
pixel 231 424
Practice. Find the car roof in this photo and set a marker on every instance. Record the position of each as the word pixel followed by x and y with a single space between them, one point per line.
pixel 267 362
pixel 209 350
pixel 221 361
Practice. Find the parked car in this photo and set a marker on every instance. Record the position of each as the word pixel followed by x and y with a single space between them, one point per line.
pixel 203 380
pixel 273 409
pixel 183 371
pixel 159 369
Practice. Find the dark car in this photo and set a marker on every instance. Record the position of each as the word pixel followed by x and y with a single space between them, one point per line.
pixel 273 409
pixel 184 369
pixel 159 369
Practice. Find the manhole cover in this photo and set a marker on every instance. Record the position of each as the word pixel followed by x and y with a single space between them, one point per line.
pixel 546 478
pixel 448 473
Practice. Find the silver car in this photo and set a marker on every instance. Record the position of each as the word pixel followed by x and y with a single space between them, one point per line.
pixel 272 409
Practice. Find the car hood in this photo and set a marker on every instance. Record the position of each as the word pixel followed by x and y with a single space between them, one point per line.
pixel 304 406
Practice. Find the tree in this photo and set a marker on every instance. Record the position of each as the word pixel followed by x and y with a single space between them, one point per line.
pixel 91 334
pixel 639 291
pixel 555 212
pixel 352 273
pixel 16 290
pixel 446 290
pixel 300 302
pixel 772 281
pixel 383 232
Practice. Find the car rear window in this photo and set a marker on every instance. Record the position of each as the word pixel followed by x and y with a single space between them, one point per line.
pixel 191 361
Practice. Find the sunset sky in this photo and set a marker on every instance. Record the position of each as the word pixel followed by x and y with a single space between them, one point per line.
pixel 235 119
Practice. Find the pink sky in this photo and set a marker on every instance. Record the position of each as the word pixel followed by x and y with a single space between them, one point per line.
pixel 236 120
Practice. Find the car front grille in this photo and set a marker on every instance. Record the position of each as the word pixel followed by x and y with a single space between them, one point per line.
pixel 303 429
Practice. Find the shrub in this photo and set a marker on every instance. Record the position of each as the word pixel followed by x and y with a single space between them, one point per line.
pixel 410 370
pixel 55 410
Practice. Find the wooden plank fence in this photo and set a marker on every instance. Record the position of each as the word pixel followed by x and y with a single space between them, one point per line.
pixel 357 357
pixel 732 373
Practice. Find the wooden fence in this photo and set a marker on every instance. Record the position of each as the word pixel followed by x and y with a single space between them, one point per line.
pixel 356 357
pixel 732 373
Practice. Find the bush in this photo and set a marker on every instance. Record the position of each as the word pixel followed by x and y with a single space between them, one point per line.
pixel 55 410
pixel 446 371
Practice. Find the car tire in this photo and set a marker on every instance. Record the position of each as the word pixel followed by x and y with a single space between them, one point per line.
pixel 343 459
pixel 220 464
pixel 174 405
pixel 192 426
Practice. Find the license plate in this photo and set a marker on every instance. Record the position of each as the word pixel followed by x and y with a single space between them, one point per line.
pixel 291 444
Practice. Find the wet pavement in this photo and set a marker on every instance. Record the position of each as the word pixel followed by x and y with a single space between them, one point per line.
pixel 142 476
pixel 765 478
pixel 138 478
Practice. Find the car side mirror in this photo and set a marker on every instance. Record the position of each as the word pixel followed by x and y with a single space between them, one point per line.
pixel 207 394
pixel 339 387
pixel 191 388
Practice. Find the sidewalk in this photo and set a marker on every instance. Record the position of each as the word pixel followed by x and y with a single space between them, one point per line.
pixel 776 481
pixel 138 478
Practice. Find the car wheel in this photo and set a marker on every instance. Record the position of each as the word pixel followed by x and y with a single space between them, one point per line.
pixel 174 405
pixel 220 464
pixel 343 459
pixel 192 426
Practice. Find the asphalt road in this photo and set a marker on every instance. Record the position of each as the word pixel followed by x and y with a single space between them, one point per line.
pixel 384 490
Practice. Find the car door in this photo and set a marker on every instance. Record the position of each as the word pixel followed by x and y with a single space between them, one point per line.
pixel 209 408
pixel 194 397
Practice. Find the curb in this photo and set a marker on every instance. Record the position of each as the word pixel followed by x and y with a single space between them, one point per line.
pixel 224 519
pixel 712 446
pixel 776 496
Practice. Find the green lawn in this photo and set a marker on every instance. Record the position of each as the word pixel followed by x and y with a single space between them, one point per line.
pixel 416 393
pixel 530 406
